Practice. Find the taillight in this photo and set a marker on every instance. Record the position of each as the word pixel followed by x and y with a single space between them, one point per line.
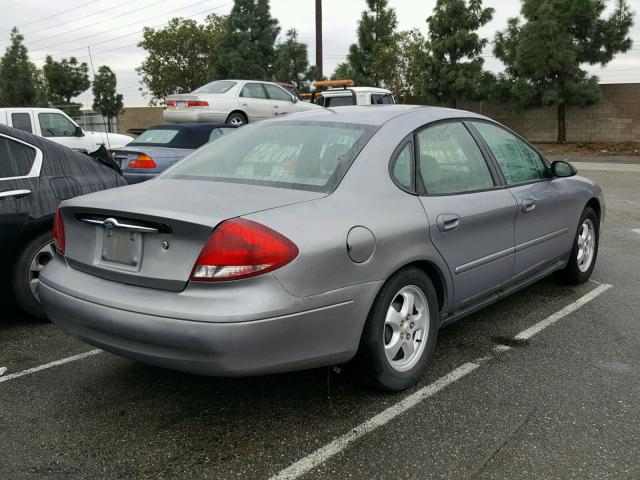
pixel 171 103
pixel 241 248
pixel 142 161
pixel 197 103
pixel 58 232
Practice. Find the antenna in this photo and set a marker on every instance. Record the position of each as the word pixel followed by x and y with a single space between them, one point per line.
pixel 106 128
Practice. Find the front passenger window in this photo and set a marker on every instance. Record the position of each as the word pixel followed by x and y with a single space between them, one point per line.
pixel 518 161
pixel 450 160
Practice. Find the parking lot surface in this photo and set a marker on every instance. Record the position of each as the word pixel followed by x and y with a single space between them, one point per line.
pixel 493 404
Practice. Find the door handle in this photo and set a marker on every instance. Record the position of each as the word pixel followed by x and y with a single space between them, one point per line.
pixel 528 205
pixel 245 104
pixel 447 222
pixel 15 193
pixel 275 106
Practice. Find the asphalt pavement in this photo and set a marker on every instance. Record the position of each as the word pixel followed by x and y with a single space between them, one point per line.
pixel 493 404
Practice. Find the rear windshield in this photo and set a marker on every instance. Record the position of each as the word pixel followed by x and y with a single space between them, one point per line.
pixel 339 101
pixel 159 137
pixel 219 86
pixel 302 155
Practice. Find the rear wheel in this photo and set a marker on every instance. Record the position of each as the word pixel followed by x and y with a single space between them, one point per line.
pixel 26 273
pixel 400 332
pixel 237 119
pixel 585 249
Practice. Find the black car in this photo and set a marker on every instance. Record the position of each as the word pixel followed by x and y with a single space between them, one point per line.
pixel 35 176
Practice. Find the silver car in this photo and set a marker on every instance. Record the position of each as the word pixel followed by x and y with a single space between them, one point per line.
pixel 236 102
pixel 317 239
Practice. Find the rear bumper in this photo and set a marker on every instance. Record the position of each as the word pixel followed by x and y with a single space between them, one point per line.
pixel 308 333
pixel 193 115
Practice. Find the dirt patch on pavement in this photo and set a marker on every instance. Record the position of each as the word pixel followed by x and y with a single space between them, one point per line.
pixel 631 149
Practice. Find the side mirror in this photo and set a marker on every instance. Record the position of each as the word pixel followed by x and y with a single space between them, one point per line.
pixel 79 132
pixel 294 99
pixel 563 169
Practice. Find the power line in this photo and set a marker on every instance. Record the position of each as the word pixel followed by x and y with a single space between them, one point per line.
pixel 75 20
pixel 54 15
pixel 99 21
pixel 128 25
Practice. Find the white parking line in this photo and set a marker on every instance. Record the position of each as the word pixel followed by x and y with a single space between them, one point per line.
pixel 334 447
pixel 538 327
pixel 324 453
pixel 49 365
pixel 636 230
pixel 3 370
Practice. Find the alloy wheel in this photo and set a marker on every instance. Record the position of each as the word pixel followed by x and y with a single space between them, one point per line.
pixel 586 245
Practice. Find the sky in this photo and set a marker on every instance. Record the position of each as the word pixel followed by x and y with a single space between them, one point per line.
pixel 112 28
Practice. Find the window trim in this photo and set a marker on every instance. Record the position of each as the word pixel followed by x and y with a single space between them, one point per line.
pixel 37 161
pixel 495 178
pixel 409 139
pixel 255 98
pixel 545 162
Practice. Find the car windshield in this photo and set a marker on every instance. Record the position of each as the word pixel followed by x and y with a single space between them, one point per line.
pixel 302 155
pixel 219 86
pixel 160 137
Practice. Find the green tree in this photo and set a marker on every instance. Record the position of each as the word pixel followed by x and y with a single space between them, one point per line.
pixel 375 31
pixel 66 79
pixel 343 71
pixel 401 64
pixel 544 55
pixel 247 50
pixel 454 70
pixel 17 84
pixel 181 56
pixel 42 87
pixel 105 99
pixel 291 61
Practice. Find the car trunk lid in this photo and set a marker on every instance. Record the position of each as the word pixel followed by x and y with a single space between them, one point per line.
pixel 151 234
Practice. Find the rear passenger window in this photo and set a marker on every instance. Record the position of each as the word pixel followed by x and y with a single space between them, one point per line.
pixel 21 121
pixel 450 160
pixel 381 99
pixel 402 170
pixel 518 161
pixel 16 159
pixel 253 90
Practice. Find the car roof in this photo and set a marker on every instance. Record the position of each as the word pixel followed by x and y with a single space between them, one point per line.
pixel 375 114
pixel 189 136
pixel 347 91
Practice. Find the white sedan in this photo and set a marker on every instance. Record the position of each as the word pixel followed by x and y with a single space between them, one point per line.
pixel 236 102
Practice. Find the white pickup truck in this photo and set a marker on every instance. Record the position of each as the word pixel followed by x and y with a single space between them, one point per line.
pixel 57 126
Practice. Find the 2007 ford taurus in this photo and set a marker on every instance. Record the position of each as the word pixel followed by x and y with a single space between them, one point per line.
pixel 319 238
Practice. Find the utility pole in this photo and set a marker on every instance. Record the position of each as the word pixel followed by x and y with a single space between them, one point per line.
pixel 319 38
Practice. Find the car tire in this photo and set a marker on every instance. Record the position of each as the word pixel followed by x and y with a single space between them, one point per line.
pixel 237 119
pixel 376 364
pixel 31 260
pixel 584 251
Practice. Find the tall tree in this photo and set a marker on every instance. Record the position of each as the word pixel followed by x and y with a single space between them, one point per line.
pixel 181 56
pixel 17 84
pixel 66 79
pixel 247 50
pixel 375 30
pixel 105 98
pixel 343 71
pixel 544 55
pixel 401 64
pixel 455 65
pixel 292 60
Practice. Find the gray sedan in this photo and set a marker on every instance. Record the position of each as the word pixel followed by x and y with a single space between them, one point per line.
pixel 320 238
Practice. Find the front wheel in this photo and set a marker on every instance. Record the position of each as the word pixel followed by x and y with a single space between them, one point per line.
pixel 26 273
pixel 400 333
pixel 585 249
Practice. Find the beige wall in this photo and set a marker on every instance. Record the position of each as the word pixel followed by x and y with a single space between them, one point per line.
pixel 139 117
pixel 616 118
